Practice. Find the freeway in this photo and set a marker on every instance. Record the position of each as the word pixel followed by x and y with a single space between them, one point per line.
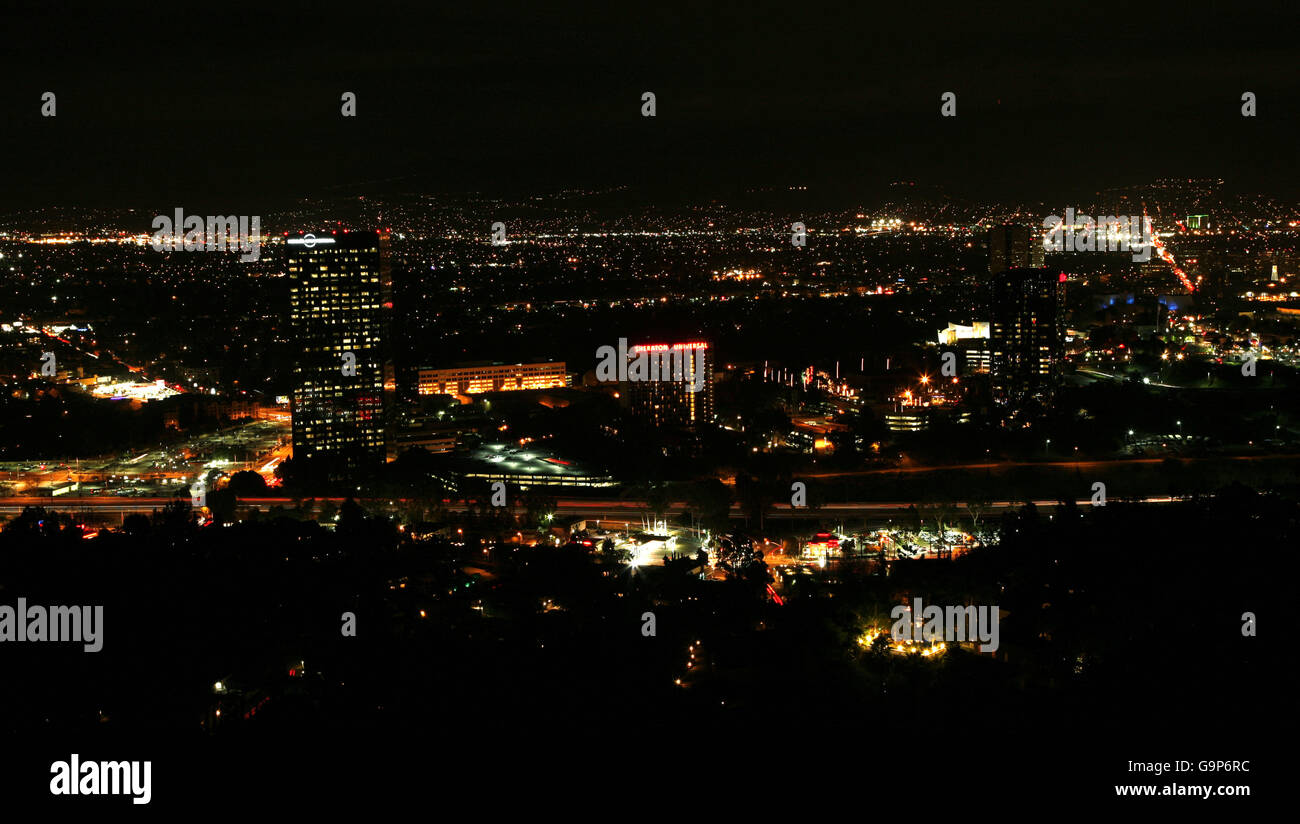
pixel 566 508
pixel 1090 465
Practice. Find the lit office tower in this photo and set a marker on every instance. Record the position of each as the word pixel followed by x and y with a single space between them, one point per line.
pixel 340 294
pixel 1026 337
pixel 671 385
pixel 1014 247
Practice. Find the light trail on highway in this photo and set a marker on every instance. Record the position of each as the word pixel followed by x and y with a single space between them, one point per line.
pixel 578 508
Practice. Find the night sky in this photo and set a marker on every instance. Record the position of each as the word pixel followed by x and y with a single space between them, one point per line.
pixel 236 106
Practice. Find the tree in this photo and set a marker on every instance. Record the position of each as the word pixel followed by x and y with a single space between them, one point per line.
pixel 611 553
pixel 880 644
pixel 977 503
pixel 755 495
pixel 221 504
pixel 303 475
pixel 176 516
pixel 658 499
pixel 1067 512
pixel 937 509
pixel 767 424
pixel 654 496
pixel 736 553
pixel 710 501
pixel 284 471
pixel 540 507
pixel 34 519
pixel 352 518
pixel 757 572
pixel 328 512
pixel 136 524
pixel 247 484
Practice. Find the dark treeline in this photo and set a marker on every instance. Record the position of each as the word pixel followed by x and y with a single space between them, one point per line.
pixel 1115 615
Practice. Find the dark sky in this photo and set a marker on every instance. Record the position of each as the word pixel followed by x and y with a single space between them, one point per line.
pixel 236 105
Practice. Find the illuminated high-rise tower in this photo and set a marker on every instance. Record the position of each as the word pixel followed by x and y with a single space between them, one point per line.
pixel 1026 337
pixel 340 297
pixel 1014 247
pixel 681 399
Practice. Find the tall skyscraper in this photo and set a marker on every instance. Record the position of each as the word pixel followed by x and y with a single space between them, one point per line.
pixel 1014 247
pixel 340 297
pixel 680 395
pixel 1026 337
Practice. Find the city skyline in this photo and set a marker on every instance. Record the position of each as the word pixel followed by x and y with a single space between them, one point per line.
pixel 725 408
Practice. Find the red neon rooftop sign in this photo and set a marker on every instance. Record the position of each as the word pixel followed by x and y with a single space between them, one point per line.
pixel 663 347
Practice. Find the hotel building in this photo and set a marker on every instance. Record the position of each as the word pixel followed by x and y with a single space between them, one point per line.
pixel 492 377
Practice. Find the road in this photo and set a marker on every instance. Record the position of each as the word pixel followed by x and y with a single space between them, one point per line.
pixel 1107 463
pixel 602 509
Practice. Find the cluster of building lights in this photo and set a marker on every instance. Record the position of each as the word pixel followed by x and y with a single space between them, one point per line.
pixel 922 648
pixel 927 393
pixel 738 274
pixel 1276 297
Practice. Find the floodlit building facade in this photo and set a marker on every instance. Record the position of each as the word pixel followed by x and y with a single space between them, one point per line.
pixel 492 377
